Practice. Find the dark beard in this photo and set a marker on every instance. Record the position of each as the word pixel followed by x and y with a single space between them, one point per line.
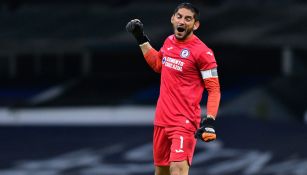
pixel 188 32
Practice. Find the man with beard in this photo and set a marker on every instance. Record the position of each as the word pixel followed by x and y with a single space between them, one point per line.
pixel 187 67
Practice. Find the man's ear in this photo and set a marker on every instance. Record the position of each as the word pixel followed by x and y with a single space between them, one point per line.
pixel 196 25
pixel 172 19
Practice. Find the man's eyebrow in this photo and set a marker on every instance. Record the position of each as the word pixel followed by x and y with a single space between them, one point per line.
pixel 177 13
pixel 188 16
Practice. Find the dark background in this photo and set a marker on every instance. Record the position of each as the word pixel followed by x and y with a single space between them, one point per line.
pixel 73 54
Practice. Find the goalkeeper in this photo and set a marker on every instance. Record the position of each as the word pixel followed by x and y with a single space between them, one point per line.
pixel 187 67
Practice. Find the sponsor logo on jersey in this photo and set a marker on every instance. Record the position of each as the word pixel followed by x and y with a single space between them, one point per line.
pixel 163 60
pixel 173 63
pixel 184 53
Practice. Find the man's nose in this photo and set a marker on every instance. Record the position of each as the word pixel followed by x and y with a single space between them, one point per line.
pixel 181 21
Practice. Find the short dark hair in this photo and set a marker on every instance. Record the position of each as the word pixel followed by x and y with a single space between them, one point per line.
pixel 189 6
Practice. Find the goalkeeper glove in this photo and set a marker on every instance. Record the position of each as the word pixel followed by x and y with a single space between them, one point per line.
pixel 206 130
pixel 135 27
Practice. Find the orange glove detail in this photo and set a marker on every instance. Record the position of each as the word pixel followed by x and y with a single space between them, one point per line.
pixel 207 137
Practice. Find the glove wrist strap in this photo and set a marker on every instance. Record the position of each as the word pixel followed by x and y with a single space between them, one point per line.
pixel 142 39
pixel 210 116
pixel 208 121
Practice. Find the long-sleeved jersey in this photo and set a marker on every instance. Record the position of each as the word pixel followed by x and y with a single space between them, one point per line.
pixel 182 83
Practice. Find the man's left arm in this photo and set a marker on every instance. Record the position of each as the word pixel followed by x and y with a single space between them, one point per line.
pixel 206 132
pixel 214 94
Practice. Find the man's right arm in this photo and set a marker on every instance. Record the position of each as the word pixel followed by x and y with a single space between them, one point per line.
pixel 152 57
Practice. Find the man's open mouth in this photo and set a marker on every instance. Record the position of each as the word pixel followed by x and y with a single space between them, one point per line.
pixel 180 29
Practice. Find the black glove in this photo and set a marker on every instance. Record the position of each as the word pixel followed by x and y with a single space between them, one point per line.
pixel 206 131
pixel 135 27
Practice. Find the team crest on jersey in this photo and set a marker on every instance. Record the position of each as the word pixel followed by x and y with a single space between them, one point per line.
pixel 184 53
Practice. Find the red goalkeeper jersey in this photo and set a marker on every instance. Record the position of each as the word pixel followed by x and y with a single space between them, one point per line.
pixel 182 85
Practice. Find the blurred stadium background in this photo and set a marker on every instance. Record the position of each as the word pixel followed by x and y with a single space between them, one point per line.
pixel 76 96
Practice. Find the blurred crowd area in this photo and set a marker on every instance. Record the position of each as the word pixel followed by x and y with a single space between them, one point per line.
pixel 71 53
